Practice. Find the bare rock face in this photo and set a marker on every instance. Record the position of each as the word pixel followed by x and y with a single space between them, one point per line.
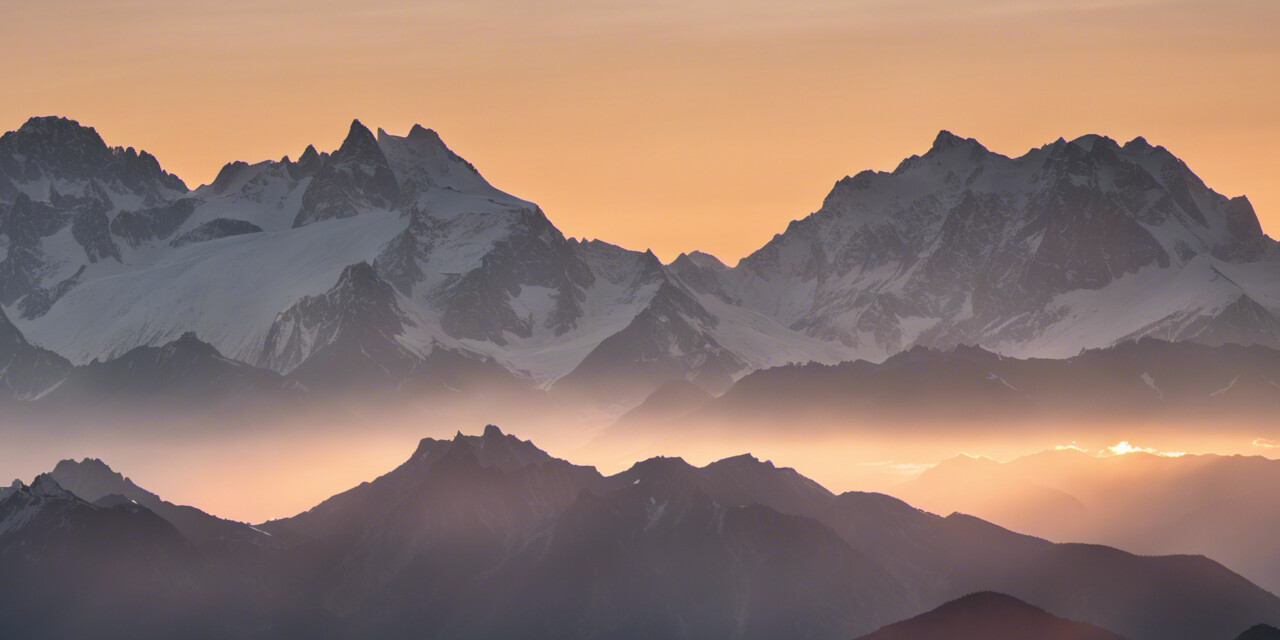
pixel 350 338
pixel 91 229
pixel 26 224
pixel 49 149
pixel 145 225
pixel 356 177
pixel 670 339
pixel 360 307
pixel 57 177
pixel 215 229
pixel 533 254
pixel 26 370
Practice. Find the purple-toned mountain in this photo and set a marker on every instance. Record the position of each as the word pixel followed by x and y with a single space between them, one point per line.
pixel 70 568
pixel 487 536
pixel 983 616
pixel 1175 383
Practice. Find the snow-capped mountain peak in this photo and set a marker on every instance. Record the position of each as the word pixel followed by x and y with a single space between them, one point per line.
pixel 424 166
pixel 1027 255
pixel 57 155
pixel 44 486
pixel 355 178
pixel 945 141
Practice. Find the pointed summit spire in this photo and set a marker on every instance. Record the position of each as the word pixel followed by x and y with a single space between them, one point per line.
pixel 46 487
pixel 706 260
pixel 358 138
pixel 308 164
pixel 423 134
pixel 946 140
pixel 356 178
pixel 308 154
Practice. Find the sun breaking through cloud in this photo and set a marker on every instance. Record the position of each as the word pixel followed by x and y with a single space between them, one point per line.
pixel 1124 447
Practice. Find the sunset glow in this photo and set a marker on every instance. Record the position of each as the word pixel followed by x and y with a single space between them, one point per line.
pixel 1123 447
pixel 667 125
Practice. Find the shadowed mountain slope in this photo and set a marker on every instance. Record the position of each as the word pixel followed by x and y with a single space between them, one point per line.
pixel 984 616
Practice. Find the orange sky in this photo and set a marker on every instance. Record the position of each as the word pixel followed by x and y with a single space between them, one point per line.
pixel 667 124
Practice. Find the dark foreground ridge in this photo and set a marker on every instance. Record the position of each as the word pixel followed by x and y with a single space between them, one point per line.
pixel 987 615
pixel 1260 632
pixel 488 536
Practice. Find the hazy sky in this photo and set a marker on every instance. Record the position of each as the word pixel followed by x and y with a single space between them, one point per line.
pixel 675 125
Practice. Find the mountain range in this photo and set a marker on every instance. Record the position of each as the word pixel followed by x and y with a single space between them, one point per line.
pixel 487 536
pixel 939 402
pixel 1143 501
pixel 392 264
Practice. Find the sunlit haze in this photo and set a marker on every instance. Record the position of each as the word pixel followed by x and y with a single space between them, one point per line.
pixel 278 465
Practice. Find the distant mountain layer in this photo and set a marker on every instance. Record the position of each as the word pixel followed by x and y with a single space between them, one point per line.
pixel 1175 385
pixel 1226 507
pixel 1148 379
pixel 489 537
pixel 1074 245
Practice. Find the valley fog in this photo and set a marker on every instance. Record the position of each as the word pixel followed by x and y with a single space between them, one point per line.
pixel 275 464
